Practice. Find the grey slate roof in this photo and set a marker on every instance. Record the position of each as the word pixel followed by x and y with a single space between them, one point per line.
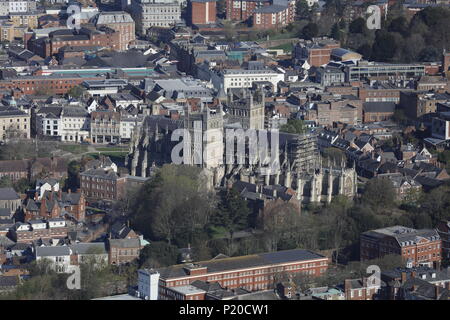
pixel 8 194
pixel 104 174
pixel 125 243
pixel 52 251
pixel 9 281
pixel 5 212
pixel 403 235
pixel 242 262
pixel 89 248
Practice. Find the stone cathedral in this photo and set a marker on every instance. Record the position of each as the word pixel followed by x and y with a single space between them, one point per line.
pixel 300 164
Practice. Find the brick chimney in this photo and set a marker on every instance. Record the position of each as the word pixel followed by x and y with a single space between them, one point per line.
pixel 59 194
pixel 437 290
pixel 403 277
pixel 413 274
pixel 347 285
pixel 43 207
pixel 36 196
pixel 437 265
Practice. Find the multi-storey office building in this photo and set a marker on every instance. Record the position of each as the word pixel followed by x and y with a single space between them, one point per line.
pixel 252 272
pixel 14 123
pixel 105 127
pixel 202 11
pixel 102 184
pixel 274 16
pixel 119 21
pixel 416 247
pixel 365 70
pixel 316 52
pixel 242 78
pixel 155 13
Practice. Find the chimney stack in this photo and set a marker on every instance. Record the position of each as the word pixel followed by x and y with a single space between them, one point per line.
pixel 403 277
pixel 437 290
pixel 347 285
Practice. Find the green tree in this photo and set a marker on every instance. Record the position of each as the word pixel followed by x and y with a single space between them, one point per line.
pixel 22 185
pixel 5 182
pixel 365 50
pixel 230 30
pixel 357 26
pixel 158 254
pixel 233 213
pixel 76 92
pixel 384 47
pixel 310 31
pixel 174 204
pixel 400 25
pixel 295 126
pixel 429 54
pixel 336 32
pixel 302 9
pixel 379 193
pixel 73 175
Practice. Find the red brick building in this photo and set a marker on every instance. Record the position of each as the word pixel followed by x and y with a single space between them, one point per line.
pixel 202 11
pixel 54 203
pixel 55 168
pixel 102 184
pixel 381 93
pixel 240 10
pixel 274 16
pixel 123 251
pixel 361 289
pixel 443 228
pixel 416 247
pixel 55 84
pixel 253 272
pixel 121 22
pixel 39 229
pixel 316 52
pixel 84 37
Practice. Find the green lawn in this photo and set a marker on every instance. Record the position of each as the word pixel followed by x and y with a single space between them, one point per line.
pixel 112 149
pixel 217 232
pixel 73 148
pixel 287 47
